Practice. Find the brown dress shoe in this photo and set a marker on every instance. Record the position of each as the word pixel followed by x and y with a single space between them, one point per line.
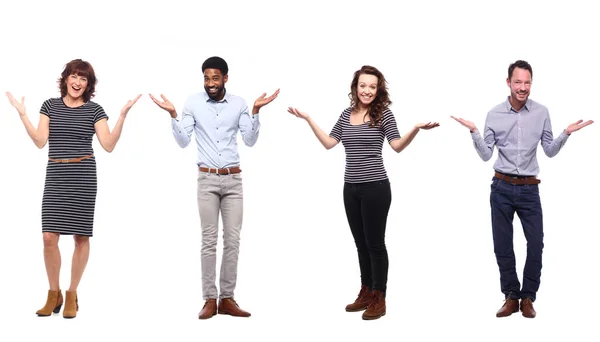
pixel 209 309
pixel 53 304
pixel 228 306
pixel 510 306
pixel 527 308
pixel 362 301
pixel 71 305
pixel 376 307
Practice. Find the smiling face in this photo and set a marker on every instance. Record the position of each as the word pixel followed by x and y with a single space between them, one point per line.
pixel 520 85
pixel 366 89
pixel 214 84
pixel 76 86
pixel 78 81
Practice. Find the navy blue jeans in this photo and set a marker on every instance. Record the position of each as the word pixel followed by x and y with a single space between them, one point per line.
pixel 506 199
pixel 367 206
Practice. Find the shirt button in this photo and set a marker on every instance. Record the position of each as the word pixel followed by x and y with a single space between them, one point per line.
pixel 217 141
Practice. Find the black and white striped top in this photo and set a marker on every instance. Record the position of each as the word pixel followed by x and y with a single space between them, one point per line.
pixel 71 129
pixel 363 144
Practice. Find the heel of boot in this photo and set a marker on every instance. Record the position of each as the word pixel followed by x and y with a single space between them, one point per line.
pixel 57 309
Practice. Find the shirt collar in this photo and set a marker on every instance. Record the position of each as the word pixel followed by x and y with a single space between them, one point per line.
pixel 509 108
pixel 225 98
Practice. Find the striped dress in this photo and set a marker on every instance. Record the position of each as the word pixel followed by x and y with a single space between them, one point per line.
pixel 363 145
pixel 70 190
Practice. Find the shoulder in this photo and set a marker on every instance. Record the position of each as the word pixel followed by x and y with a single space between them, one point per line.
pixel 93 106
pixel 502 107
pixel 52 101
pixel 387 114
pixel 236 100
pixel 536 106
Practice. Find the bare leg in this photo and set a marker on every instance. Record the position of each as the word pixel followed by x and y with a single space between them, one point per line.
pixel 80 259
pixel 52 259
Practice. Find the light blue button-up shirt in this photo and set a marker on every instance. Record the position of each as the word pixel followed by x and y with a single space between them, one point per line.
pixel 517 135
pixel 215 126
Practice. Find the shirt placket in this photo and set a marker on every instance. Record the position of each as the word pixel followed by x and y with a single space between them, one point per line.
pixel 219 130
pixel 519 139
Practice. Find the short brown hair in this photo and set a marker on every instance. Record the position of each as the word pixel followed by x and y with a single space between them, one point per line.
pixel 81 68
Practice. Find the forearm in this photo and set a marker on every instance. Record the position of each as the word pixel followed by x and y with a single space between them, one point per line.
pixel 482 148
pixel 551 149
pixel 400 144
pixel 327 141
pixel 179 132
pixel 115 134
pixel 33 133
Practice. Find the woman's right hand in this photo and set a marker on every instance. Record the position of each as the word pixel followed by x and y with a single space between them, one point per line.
pixel 20 106
pixel 297 113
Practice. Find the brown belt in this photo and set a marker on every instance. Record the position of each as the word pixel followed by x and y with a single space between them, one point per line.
pixel 74 160
pixel 226 171
pixel 517 180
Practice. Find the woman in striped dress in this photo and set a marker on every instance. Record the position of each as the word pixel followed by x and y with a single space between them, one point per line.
pixel 362 128
pixel 68 124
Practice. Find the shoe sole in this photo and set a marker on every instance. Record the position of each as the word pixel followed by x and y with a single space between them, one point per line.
pixel 372 318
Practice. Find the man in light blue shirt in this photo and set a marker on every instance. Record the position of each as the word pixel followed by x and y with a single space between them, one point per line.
pixel 517 126
pixel 215 116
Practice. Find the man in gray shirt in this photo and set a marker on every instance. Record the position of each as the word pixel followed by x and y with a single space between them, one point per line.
pixel 516 127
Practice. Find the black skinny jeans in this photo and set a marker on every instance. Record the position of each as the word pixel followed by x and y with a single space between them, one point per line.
pixel 367 206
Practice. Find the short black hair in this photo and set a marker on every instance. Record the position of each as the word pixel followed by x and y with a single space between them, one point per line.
pixel 521 65
pixel 216 63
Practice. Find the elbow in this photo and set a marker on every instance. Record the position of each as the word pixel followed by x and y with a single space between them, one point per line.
pixel 250 143
pixel 40 144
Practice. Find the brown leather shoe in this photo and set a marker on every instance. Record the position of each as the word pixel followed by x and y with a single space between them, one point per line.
pixel 362 301
pixel 527 308
pixel 228 306
pixel 510 306
pixel 376 307
pixel 209 309
pixel 53 304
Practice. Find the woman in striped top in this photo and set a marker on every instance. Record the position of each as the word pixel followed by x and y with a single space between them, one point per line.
pixel 68 124
pixel 362 128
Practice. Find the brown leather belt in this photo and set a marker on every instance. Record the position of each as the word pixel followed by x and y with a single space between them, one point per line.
pixel 225 171
pixel 517 180
pixel 73 160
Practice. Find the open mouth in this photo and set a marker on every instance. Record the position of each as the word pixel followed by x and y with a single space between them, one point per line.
pixel 75 88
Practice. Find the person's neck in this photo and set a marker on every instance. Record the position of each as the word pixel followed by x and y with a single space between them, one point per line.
pixel 73 102
pixel 516 104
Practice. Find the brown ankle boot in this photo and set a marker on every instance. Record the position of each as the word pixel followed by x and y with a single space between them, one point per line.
pixel 228 306
pixel 209 309
pixel 71 305
pixel 376 307
pixel 510 306
pixel 53 304
pixel 362 301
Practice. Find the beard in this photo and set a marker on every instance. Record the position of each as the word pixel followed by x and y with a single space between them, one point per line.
pixel 218 94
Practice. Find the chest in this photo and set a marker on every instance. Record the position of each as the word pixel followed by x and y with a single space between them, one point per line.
pixel 72 123
pixel 362 135
pixel 518 127
pixel 215 115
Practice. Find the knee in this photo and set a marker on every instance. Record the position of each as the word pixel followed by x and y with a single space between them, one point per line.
pixel 81 241
pixel 231 241
pixel 377 248
pixel 50 239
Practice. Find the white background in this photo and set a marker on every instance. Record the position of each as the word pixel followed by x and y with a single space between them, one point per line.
pixel 298 265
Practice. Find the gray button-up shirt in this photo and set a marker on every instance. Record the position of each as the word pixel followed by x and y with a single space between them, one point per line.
pixel 517 134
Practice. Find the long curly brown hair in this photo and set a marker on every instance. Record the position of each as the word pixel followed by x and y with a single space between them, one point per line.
pixel 382 98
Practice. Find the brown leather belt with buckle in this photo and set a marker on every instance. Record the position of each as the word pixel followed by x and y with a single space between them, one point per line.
pixel 517 180
pixel 225 171
pixel 73 160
